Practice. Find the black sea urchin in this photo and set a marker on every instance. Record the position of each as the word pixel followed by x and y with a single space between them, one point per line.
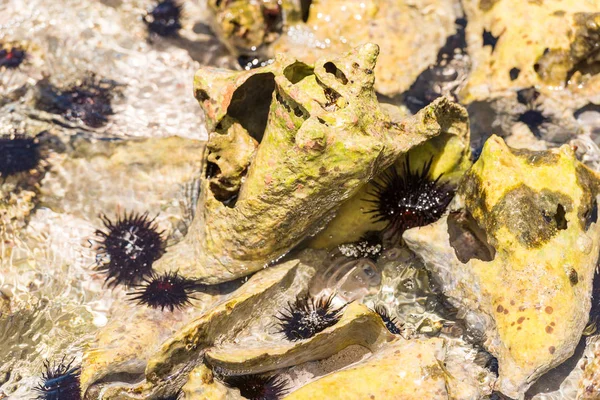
pixel 388 320
pixel 409 200
pixel 164 19
pixel 169 290
pixel 128 248
pixel 308 316
pixel 59 382
pixel 18 154
pixel 12 58
pixel 88 101
pixel 259 386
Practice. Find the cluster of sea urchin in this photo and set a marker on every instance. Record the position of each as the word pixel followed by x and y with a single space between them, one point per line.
pixel 169 290
pixel 18 154
pixel 389 321
pixel 128 248
pixel 410 199
pixel 59 382
pixel 164 18
pixel 308 316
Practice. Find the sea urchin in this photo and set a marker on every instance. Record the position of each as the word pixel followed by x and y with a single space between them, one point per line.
pixel 12 58
pixel 59 382
pixel 308 316
pixel 169 290
pixel 258 386
pixel 128 248
pixel 164 19
pixel 409 200
pixel 388 320
pixel 18 154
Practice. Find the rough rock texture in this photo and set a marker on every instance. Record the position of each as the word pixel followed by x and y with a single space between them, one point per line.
pixel 527 288
pixel 322 136
pixel 405 370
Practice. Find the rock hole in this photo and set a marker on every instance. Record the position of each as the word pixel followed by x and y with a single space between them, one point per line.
pixel 468 239
pixel 202 95
pixel 533 119
pixel 331 68
pixel 527 96
pixel 489 39
pixel 212 170
pixel 591 215
pixel 297 71
pixel 514 73
pixel 559 218
pixel 589 116
pixel 305 9
pixel 250 104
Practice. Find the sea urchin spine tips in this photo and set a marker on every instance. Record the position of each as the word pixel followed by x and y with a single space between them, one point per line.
pixel 164 19
pixel 258 386
pixel 18 154
pixel 308 316
pixel 409 200
pixel 59 382
pixel 128 248
pixel 388 320
pixel 12 58
pixel 169 290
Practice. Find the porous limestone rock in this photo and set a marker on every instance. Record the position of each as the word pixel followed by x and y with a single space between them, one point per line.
pixel 314 135
pixel 517 256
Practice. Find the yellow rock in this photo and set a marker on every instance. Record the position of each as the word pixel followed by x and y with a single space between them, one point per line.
pixel 531 298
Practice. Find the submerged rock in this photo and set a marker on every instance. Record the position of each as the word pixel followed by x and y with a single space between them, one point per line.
pixel 519 262
pixel 314 136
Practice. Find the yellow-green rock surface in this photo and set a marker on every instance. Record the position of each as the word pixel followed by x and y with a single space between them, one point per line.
pixel 530 296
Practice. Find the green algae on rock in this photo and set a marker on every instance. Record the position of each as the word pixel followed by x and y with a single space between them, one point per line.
pixel 531 212
pixel 321 135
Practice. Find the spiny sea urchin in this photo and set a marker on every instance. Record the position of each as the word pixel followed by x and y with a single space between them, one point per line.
pixel 258 386
pixel 164 18
pixel 128 248
pixel 89 101
pixel 59 382
pixel 18 154
pixel 308 316
pixel 369 246
pixel 12 58
pixel 409 199
pixel 169 290
pixel 389 321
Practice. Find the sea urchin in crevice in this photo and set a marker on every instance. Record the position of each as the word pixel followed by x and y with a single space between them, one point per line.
pixel 59 382
pixel 410 199
pixel 169 290
pixel 18 154
pixel 388 320
pixel 258 386
pixel 128 248
pixel 308 316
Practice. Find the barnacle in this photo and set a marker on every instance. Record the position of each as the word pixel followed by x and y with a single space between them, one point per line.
pixel 12 58
pixel 308 316
pixel 369 246
pixel 409 200
pixel 18 154
pixel 169 290
pixel 59 382
pixel 389 321
pixel 128 248
pixel 164 18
